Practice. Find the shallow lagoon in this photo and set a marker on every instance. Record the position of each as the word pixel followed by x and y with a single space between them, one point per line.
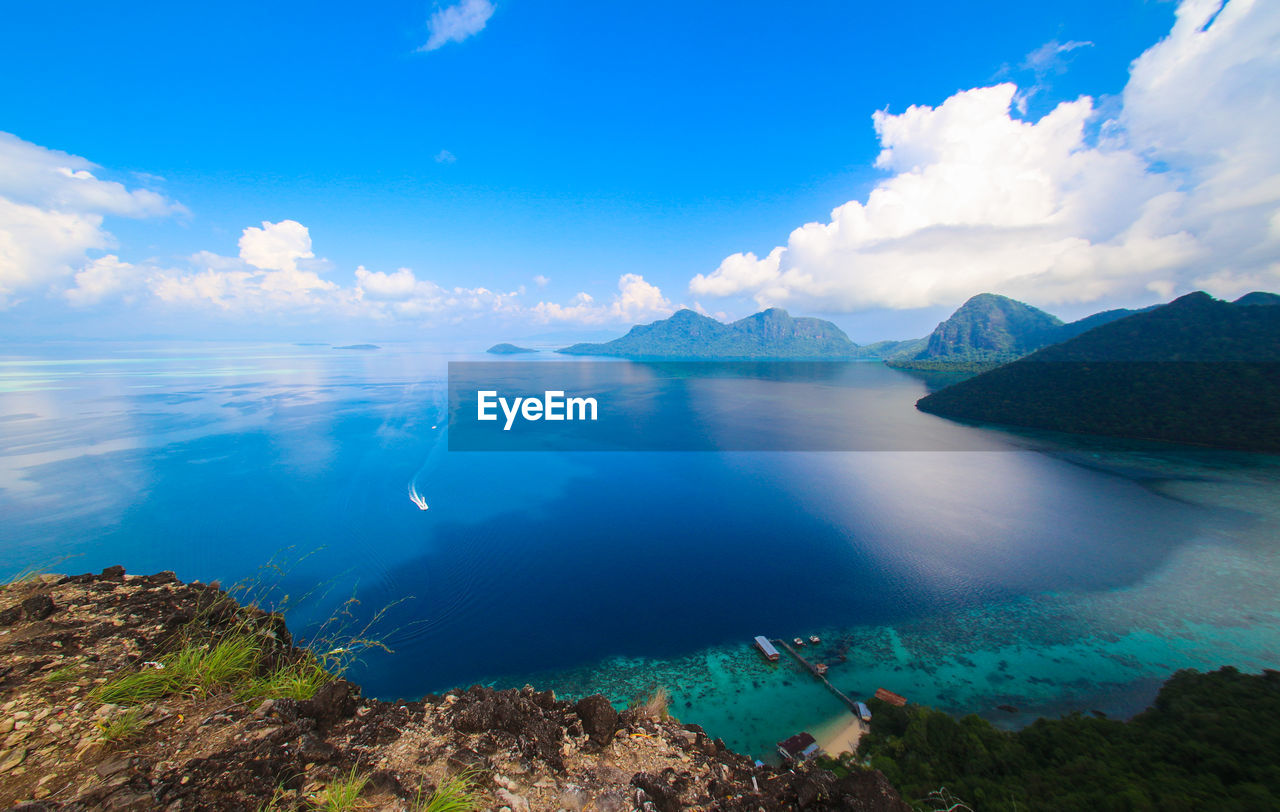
pixel 1075 578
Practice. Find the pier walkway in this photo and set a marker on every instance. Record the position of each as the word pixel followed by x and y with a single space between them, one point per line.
pixel 812 669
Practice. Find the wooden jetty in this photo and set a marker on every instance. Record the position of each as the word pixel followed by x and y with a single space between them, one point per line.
pixel 813 669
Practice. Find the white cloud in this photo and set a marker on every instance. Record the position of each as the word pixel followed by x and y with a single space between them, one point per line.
pixel 582 308
pixel 52 208
pixel 379 286
pixel 241 286
pixel 444 156
pixel 636 300
pixel 58 181
pixel 1048 57
pixel 979 200
pixel 265 277
pixel 541 281
pixel 457 22
pixel 104 278
pixel 402 295
pixel 276 246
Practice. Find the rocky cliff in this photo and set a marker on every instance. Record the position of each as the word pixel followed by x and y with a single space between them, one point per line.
pixel 203 744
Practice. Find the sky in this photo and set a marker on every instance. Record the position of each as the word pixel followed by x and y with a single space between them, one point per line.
pixel 504 168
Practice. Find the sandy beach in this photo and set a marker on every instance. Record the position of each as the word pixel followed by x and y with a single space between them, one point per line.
pixel 840 734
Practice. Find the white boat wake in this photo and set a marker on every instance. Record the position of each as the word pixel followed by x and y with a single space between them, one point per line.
pixel 417 498
pixel 438 447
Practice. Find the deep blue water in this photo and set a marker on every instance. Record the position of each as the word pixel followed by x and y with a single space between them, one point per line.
pixel 610 570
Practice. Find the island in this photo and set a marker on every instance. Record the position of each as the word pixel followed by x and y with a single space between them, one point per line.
pixel 989 330
pixel 358 347
pixel 1196 371
pixel 986 331
pixel 771 334
pixel 508 349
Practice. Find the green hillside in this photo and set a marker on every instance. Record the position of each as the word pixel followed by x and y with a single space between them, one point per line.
pixel 1196 370
pixel 769 334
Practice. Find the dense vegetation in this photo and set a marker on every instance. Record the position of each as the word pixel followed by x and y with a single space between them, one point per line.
pixel 990 330
pixel 990 325
pixel 769 334
pixel 1196 370
pixel 893 349
pixel 1210 741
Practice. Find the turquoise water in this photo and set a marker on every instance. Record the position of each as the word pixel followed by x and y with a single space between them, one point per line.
pixel 1076 577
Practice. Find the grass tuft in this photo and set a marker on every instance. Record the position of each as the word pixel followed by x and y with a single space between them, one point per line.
pixel 195 670
pixel 64 674
pixel 278 802
pixel 343 793
pixel 296 680
pixel 233 645
pixel 457 794
pixel 32 574
pixel 122 728
pixel 655 706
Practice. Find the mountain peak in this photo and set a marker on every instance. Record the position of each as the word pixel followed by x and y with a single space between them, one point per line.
pixel 1196 298
pixel 1258 298
pixel 687 314
pixel 772 333
pixel 989 326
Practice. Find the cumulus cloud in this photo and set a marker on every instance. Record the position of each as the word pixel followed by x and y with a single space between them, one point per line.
pixel 457 22
pixel 266 275
pixel 402 295
pixel 104 278
pixel 636 300
pixel 390 287
pixel 52 208
pixel 267 279
pixel 276 246
pixel 1181 191
pixel 444 156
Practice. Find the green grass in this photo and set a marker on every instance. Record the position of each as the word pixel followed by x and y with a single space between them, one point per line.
pixel 194 670
pixel 456 794
pixel 236 663
pixel 246 660
pixel 32 574
pixel 343 793
pixel 296 680
pixel 122 728
pixel 278 801
pixel 64 674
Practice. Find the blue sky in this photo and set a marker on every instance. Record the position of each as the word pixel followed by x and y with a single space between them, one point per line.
pixel 586 144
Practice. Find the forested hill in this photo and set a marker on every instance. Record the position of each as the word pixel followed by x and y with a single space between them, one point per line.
pixel 989 330
pixel 1210 741
pixel 1196 370
pixel 990 326
pixel 769 334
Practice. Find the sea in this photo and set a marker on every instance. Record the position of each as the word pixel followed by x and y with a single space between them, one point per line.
pixel 1008 574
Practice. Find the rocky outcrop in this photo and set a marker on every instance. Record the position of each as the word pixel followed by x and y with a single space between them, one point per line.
pixel 64 636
